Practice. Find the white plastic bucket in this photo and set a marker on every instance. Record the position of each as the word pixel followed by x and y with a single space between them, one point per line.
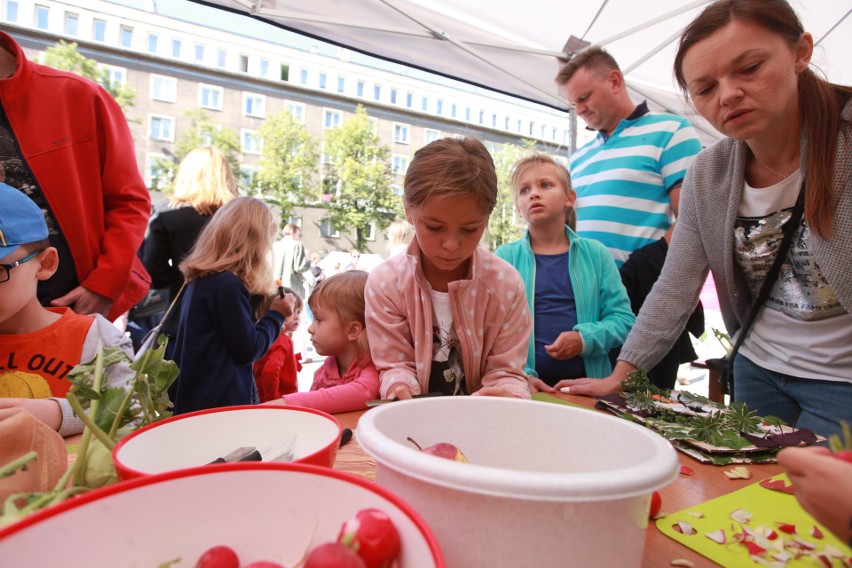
pixel 547 484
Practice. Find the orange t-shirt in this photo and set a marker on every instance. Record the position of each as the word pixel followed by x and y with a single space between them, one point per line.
pixel 34 365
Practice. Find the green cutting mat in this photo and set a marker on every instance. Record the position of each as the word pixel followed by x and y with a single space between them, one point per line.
pixel 767 508
pixel 544 397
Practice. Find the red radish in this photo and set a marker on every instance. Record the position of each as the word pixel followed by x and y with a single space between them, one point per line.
pixel 845 455
pixel 656 505
pixel 816 533
pixel 686 470
pixel 219 557
pixel 787 528
pixel 373 536
pixel 333 555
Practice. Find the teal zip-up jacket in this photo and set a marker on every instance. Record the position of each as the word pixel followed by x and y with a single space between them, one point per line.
pixel 603 309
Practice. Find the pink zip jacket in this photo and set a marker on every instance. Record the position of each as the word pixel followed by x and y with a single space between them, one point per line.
pixel 490 314
pixel 332 393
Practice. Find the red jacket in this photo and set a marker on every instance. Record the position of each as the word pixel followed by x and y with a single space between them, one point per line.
pixel 75 139
pixel 277 372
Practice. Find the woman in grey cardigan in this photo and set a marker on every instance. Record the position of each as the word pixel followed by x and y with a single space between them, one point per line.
pixel 744 64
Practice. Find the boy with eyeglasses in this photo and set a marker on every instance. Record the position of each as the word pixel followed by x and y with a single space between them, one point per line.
pixel 39 345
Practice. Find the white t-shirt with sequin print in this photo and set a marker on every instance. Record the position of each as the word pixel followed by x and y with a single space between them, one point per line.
pixel 803 329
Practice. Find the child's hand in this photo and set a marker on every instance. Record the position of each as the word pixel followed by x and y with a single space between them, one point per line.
pixel 284 306
pixel 401 392
pixel 537 385
pixel 493 391
pixel 568 344
pixel 45 409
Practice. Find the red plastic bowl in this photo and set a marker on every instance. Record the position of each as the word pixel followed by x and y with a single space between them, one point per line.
pixel 198 438
pixel 273 512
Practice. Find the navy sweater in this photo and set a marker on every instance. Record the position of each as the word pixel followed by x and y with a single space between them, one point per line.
pixel 217 342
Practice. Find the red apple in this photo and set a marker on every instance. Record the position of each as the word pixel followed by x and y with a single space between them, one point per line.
pixel 442 450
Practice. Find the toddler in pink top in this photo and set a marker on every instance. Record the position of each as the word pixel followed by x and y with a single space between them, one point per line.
pixel 347 378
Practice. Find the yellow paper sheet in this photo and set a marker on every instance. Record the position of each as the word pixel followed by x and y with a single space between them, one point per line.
pixel 768 508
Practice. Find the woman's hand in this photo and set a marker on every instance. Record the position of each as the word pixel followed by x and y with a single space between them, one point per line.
pixel 823 486
pixel 589 387
pixel 84 302
pixel 537 385
pixel 568 344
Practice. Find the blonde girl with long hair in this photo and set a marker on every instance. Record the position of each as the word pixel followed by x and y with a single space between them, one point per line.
pixel 218 338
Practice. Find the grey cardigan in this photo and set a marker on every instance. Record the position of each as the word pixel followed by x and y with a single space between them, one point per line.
pixel 704 240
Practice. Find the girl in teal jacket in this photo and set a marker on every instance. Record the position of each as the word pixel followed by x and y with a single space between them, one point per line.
pixel 579 306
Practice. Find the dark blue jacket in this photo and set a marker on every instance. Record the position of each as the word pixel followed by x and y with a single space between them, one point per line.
pixel 217 342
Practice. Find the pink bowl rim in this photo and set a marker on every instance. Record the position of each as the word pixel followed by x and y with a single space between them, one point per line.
pixel 127 473
pixel 123 486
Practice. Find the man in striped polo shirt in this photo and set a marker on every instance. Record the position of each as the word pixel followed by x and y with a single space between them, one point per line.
pixel 628 178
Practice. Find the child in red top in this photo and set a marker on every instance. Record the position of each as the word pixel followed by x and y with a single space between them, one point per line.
pixel 276 373
pixel 347 379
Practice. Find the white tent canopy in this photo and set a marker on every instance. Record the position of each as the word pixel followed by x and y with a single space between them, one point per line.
pixel 513 46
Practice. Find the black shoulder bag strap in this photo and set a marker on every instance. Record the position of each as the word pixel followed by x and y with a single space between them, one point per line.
pixel 771 276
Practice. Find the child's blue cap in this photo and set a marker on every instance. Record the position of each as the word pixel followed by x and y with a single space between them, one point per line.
pixel 21 220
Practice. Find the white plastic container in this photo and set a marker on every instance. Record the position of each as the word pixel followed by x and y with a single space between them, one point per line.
pixel 547 484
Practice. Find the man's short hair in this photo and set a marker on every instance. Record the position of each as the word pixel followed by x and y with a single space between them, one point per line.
pixel 594 57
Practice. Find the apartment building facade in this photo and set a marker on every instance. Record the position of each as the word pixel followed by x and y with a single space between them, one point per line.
pixel 241 71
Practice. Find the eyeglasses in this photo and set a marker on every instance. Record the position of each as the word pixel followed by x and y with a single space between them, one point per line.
pixel 6 269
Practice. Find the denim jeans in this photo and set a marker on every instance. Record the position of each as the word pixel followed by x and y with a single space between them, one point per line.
pixel 803 403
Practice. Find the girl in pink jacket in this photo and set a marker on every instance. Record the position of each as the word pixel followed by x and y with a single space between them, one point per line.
pixel 448 316
pixel 347 379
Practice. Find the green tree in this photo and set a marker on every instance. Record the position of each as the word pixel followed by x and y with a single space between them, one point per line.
pixel 67 57
pixel 202 131
pixel 359 179
pixel 288 167
pixel 505 224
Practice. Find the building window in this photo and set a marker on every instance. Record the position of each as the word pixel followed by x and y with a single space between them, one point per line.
pixel 152 43
pixel 199 52
pixel 400 133
pixel 244 61
pixel 532 127
pixel 327 231
pixel 264 68
pixel 162 128
pixel 303 77
pixel 155 178
pixel 377 92
pixel 71 21
pixel 409 99
pixel 251 142
pixel 424 104
pixel 400 164
pixel 454 109
pixel 99 30
pixel 210 97
pixel 163 88
pixel 506 124
pixel 341 84
pixel 285 72
pixel 296 110
pixel 116 75
pixel 248 175
pixel 360 90
pixel 42 17
pixel 493 120
pixel 520 126
pixel 481 117
pixel 11 11
pixel 322 80
pixel 176 48
pixel 370 232
pixel 439 109
pixel 254 105
pixel 331 118
pixel 125 36
pixel 467 114
pixel 222 58
pixel 430 135
pixel 393 96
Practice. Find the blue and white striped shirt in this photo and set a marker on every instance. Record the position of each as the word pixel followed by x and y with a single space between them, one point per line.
pixel 623 181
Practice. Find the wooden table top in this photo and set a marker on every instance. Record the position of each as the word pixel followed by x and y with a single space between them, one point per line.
pixel 707 482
